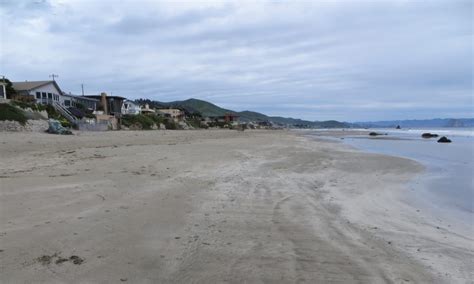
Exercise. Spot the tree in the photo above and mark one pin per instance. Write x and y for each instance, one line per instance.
(9, 88)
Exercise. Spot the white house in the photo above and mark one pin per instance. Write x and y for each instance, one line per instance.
(129, 107)
(48, 92)
(45, 92)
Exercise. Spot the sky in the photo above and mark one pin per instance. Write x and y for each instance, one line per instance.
(315, 60)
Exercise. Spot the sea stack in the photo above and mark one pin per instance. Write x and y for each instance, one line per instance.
(429, 135)
(444, 140)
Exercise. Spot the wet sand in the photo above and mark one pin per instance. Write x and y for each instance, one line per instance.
(212, 207)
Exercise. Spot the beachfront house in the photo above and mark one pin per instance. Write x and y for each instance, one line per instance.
(129, 107)
(43, 92)
(48, 92)
(71, 100)
(174, 113)
(109, 105)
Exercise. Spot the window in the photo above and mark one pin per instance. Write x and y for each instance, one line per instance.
(38, 95)
(44, 95)
(50, 96)
(67, 103)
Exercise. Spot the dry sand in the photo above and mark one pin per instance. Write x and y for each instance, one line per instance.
(213, 207)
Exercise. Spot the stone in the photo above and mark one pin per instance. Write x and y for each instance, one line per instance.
(429, 135)
(444, 139)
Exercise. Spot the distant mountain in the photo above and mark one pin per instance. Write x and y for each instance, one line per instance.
(207, 109)
(437, 122)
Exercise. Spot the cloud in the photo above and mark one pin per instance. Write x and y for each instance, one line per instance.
(347, 60)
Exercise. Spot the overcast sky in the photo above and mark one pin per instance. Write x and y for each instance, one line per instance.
(317, 60)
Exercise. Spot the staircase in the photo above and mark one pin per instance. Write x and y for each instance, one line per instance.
(65, 112)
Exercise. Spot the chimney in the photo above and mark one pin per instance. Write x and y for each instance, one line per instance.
(103, 102)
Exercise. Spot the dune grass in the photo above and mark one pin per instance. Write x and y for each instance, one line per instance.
(9, 112)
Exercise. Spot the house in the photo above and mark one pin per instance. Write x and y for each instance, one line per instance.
(71, 100)
(226, 118)
(129, 107)
(147, 109)
(48, 92)
(43, 92)
(175, 114)
(111, 105)
(230, 117)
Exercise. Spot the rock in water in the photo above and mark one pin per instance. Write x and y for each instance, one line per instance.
(399, 127)
(376, 134)
(429, 135)
(444, 140)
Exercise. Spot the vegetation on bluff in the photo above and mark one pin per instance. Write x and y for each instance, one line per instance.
(9, 112)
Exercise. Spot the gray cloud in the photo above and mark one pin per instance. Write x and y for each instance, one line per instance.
(346, 60)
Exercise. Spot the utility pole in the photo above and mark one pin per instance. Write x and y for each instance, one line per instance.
(82, 87)
(53, 76)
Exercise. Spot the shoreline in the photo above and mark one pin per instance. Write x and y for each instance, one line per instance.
(444, 174)
(213, 206)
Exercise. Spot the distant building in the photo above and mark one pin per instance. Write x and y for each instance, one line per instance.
(129, 107)
(147, 109)
(175, 114)
(226, 118)
(230, 117)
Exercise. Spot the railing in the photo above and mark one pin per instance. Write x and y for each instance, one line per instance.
(65, 112)
(46, 101)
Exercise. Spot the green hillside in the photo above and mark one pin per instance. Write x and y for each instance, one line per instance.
(207, 109)
(252, 116)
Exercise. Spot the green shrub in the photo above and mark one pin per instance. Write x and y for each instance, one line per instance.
(156, 119)
(170, 124)
(22, 98)
(9, 112)
(25, 105)
(220, 124)
(81, 106)
(64, 122)
(145, 121)
(52, 113)
(196, 123)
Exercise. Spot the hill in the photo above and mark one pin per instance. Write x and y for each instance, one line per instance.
(207, 109)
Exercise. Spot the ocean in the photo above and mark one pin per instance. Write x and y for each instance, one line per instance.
(446, 187)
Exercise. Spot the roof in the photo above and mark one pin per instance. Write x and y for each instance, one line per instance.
(80, 97)
(30, 85)
(131, 102)
(108, 97)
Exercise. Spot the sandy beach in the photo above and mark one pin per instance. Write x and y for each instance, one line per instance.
(215, 206)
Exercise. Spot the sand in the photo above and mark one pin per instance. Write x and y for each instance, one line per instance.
(215, 206)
